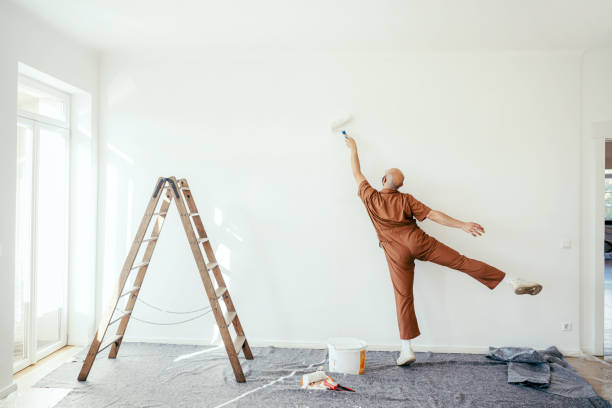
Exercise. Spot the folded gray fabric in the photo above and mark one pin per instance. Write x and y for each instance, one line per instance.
(553, 355)
(545, 370)
(533, 374)
(515, 354)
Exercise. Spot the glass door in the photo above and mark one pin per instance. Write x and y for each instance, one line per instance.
(41, 241)
(51, 238)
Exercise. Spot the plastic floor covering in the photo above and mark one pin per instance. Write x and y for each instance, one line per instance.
(163, 375)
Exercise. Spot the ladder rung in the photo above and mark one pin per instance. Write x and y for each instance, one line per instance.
(200, 240)
(131, 290)
(220, 291)
(211, 265)
(114, 340)
(150, 239)
(193, 214)
(140, 265)
(229, 318)
(238, 343)
(185, 188)
(160, 213)
(121, 316)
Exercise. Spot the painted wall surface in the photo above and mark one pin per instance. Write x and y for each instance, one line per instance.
(596, 127)
(25, 39)
(485, 137)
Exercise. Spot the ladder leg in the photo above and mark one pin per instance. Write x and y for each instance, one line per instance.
(125, 271)
(167, 200)
(236, 367)
(246, 349)
(186, 214)
(93, 351)
(187, 196)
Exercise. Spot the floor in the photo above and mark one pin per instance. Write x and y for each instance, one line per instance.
(597, 372)
(26, 395)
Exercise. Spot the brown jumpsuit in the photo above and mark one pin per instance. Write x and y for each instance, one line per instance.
(392, 214)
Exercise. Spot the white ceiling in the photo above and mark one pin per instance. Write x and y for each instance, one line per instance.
(235, 25)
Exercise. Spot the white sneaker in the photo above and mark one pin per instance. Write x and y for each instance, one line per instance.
(406, 358)
(523, 287)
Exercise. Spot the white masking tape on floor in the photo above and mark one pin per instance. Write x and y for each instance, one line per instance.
(268, 384)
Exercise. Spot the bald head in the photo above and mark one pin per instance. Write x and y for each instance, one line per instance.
(393, 179)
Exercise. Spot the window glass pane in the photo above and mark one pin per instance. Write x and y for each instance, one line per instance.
(38, 101)
(51, 235)
(23, 238)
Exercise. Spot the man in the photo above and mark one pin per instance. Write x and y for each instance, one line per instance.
(393, 215)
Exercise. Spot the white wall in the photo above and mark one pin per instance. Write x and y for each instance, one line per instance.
(25, 39)
(596, 127)
(489, 137)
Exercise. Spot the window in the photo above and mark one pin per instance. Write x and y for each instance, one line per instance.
(41, 250)
(40, 102)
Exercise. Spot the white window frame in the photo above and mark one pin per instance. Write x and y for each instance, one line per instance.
(64, 97)
(37, 122)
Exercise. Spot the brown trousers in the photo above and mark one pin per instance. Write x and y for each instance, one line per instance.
(416, 244)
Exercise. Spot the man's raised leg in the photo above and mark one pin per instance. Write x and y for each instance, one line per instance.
(484, 273)
(447, 256)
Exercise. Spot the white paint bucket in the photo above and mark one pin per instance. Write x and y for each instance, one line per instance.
(346, 355)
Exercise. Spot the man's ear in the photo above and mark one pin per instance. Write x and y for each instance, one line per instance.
(384, 180)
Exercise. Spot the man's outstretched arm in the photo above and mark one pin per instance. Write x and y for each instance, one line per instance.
(443, 219)
(350, 143)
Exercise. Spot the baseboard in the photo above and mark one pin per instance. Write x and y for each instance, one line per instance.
(375, 347)
(319, 345)
(587, 350)
(8, 390)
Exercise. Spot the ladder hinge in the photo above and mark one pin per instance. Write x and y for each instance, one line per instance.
(161, 183)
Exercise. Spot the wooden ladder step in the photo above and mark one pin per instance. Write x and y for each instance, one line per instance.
(211, 265)
(220, 291)
(121, 316)
(130, 290)
(110, 343)
(229, 318)
(140, 265)
(160, 213)
(238, 343)
(193, 214)
(150, 239)
(200, 240)
(185, 188)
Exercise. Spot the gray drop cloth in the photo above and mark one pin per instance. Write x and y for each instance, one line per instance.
(545, 370)
(163, 375)
(517, 354)
(535, 374)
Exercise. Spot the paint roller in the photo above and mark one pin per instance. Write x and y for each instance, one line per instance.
(308, 379)
(339, 124)
(324, 381)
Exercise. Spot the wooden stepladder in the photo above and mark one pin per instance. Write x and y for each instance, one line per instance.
(169, 189)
